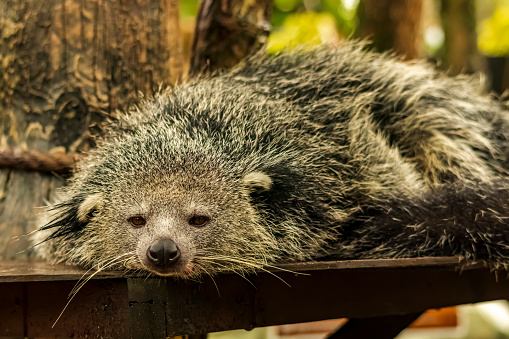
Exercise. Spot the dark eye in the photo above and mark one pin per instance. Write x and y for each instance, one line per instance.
(137, 221)
(198, 220)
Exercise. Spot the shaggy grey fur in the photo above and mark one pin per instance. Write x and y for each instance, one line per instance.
(325, 154)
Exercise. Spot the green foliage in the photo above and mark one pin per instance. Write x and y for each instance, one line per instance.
(493, 37)
(287, 5)
(306, 28)
(283, 8)
(189, 8)
(343, 12)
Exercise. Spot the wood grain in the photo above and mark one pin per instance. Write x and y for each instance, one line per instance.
(65, 67)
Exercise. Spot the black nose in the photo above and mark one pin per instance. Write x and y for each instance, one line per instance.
(163, 252)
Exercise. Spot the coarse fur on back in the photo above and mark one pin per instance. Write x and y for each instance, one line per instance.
(330, 153)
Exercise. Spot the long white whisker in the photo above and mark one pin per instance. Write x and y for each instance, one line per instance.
(227, 268)
(100, 267)
(211, 277)
(247, 263)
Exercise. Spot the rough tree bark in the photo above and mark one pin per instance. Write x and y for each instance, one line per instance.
(392, 25)
(65, 66)
(227, 31)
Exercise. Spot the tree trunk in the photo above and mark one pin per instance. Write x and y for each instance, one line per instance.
(392, 25)
(227, 31)
(65, 66)
(460, 53)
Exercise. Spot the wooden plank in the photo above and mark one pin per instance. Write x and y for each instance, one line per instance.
(147, 307)
(355, 293)
(442, 262)
(18, 271)
(12, 310)
(99, 310)
(159, 307)
(24, 271)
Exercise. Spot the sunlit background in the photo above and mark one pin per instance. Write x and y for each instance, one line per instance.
(297, 22)
(315, 21)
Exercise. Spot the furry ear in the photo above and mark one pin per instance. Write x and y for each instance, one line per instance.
(257, 182)
(88, 206)
(72, 215)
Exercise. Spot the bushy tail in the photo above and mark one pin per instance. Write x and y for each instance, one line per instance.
(472, 223)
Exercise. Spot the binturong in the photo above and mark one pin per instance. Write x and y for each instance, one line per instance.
(323, 154)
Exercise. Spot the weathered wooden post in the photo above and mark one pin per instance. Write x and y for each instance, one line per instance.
(66, 66)
(228, 31)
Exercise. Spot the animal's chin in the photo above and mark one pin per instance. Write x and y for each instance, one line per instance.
(181, 271)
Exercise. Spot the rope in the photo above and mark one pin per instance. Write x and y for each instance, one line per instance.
(61, 163)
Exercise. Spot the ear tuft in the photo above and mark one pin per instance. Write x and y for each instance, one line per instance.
(91, 203)
(257, 182)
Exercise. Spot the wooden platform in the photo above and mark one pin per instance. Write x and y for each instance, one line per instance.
(386, 293)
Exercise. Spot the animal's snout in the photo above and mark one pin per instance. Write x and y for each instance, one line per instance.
(163, 253)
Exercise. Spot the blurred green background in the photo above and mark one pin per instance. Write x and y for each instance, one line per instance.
(311, 21)
(457, 35)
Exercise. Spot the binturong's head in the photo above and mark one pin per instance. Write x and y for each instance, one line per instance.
(151, 201)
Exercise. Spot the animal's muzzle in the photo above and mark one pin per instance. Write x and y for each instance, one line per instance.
(163, 253)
